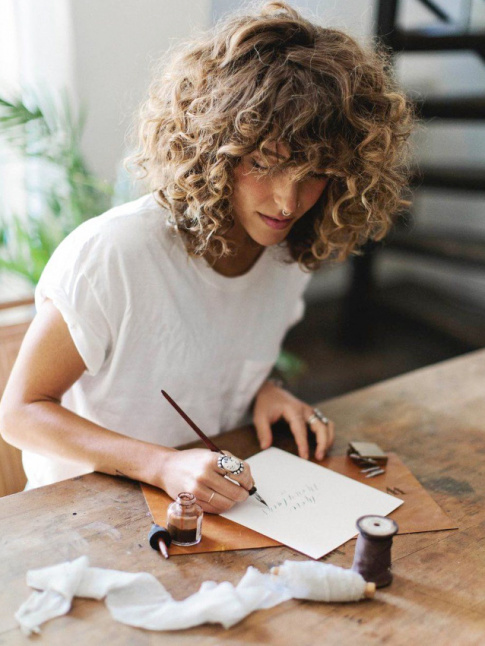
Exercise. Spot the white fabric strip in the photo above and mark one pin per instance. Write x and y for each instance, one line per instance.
(141, 600)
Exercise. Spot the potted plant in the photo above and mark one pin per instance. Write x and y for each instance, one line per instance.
(46, 135)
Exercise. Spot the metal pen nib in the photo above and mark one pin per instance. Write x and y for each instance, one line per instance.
(253, 492)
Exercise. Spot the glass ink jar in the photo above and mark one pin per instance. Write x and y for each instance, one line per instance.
(184, 520)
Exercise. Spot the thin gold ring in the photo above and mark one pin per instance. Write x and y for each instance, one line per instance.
(212, 496)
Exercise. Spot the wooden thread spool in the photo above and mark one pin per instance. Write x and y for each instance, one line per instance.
(372, 558)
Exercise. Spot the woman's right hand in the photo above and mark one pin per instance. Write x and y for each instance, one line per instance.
(196, 471)
(32, 418)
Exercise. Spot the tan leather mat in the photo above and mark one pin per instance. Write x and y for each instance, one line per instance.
(419, 513)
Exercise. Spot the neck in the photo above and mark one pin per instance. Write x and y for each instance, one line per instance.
(239, 262)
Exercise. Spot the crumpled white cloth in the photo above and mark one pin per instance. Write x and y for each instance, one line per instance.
(141, 600)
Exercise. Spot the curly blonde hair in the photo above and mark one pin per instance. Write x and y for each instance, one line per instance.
(274, 77)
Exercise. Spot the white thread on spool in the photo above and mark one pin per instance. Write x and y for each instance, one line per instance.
(322, 582)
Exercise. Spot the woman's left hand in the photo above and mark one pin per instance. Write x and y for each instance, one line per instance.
(273, 403)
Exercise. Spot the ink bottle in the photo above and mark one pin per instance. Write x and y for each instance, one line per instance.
(184, 520)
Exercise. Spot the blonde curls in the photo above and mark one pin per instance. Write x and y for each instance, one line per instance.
(276, 77)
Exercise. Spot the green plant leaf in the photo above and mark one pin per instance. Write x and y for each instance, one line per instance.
(47, 128)
(290, 366)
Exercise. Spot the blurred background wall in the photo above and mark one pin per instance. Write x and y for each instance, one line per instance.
(103, 52)
(416, 299)
(115, 45)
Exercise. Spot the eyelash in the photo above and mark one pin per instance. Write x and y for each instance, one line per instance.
(257, 166)
(318, 175)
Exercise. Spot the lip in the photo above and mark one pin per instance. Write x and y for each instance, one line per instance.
(275, 223)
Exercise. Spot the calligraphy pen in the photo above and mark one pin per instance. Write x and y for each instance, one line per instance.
(209, 443)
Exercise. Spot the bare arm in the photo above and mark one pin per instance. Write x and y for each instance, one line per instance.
(32, 418)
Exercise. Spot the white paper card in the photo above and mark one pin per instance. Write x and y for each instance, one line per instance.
(311, 509)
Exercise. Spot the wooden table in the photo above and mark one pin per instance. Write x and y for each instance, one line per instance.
(433, 418)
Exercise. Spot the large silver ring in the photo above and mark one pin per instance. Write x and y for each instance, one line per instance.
(230, 464)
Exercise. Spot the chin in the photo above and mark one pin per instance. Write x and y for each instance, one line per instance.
(266, 237)
(268, 240)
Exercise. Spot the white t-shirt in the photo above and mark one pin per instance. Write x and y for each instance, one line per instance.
(146, 316)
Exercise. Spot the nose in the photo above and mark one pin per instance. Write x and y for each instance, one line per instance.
(285, 193)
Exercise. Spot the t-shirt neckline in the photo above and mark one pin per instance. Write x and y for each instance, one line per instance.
(229, 283)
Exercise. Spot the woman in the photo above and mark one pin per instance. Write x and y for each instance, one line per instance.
(269, 146)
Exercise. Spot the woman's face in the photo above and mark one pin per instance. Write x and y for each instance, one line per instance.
(259, 200)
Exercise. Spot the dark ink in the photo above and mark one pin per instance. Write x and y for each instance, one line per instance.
(184, 520)
(295, 500)
(182, 536)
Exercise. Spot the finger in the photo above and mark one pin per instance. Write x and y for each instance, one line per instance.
(322, 437)
(213, 502)
(331, 432)
(231, 489)
(228, 487)
(244, 478)
(263, 431)
(299, 429)
(318, 424)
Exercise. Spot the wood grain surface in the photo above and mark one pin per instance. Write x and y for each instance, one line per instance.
(434, 419)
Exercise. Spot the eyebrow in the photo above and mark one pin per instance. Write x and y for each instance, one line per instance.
(272, 153)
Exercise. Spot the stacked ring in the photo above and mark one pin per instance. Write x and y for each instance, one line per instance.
(317, 415)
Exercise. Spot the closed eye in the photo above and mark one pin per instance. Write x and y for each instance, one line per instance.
(318, 175)
(257, 166)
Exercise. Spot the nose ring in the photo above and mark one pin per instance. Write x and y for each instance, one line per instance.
(285, 214)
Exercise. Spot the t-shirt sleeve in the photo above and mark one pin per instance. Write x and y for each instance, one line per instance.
(302, 280)
(298, 312)
(70, 281)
